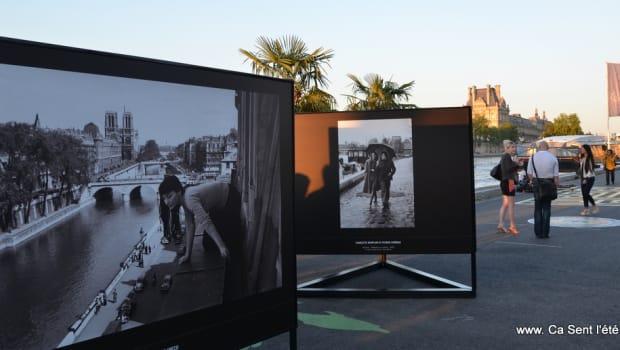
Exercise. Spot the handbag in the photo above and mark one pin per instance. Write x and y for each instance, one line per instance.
(496, 172)
(544, 189)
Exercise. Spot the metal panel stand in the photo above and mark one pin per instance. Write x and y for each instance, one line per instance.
(441, 287)
(292, 339)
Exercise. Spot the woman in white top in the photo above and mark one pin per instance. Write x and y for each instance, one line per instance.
(586, 172)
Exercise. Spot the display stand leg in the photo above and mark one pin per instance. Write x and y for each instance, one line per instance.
(293, 339)
(440, 287)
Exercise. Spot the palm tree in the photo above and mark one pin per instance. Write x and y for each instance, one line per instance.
(316, 100)
(379, 94)
(288, 58)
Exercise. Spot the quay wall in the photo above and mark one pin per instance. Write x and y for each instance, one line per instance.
(32, 229)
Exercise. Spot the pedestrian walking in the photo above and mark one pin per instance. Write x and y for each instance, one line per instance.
(543, 166)
(510, 166)
(610, 166)
(101, 299)
(385, 171)
(587, 175)
(370, 184)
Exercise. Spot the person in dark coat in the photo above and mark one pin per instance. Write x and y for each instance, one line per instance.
(385, 171)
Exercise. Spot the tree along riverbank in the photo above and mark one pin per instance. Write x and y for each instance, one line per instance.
(27, 231)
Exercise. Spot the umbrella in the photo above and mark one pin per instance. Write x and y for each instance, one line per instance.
(378, 148)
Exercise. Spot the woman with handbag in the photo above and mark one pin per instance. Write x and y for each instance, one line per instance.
(542, 169)
(586, 172)
(508, 187)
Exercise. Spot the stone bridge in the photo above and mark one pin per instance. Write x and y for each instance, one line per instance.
(128, 189)
(129, 181)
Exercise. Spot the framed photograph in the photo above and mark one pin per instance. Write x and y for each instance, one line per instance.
(398, 182)
(377, 168)
(143, 203)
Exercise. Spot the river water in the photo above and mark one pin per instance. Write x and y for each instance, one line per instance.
(482, 168)
(49, 280)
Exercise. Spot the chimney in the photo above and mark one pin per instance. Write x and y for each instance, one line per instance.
(498, 92)
(488, 94)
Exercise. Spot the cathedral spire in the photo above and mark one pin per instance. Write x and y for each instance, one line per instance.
(37, 122)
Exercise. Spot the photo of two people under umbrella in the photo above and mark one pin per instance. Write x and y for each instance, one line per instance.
(376, 173)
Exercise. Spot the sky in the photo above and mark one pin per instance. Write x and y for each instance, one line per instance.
(165, 112)
(362, 131)
(548, 56)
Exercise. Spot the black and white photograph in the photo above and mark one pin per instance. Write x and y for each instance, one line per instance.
(375, 173)
(126, 201)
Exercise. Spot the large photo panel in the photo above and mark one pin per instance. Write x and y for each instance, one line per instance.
(397, 181)
(148, 201)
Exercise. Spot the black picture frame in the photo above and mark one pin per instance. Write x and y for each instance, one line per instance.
(265, 116)
(443, 185)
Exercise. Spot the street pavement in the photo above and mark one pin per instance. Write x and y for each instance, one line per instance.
(357, 211)
(564, 288)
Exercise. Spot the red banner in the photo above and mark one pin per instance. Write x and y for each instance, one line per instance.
(613, 89)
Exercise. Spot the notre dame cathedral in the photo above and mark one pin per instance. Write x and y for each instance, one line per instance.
(126, 136)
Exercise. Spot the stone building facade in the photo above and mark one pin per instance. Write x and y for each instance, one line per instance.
(529, 129)
(489, 103)
(105, 152)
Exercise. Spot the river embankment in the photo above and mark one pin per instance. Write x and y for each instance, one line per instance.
(30, 230)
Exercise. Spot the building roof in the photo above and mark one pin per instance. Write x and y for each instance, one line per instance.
(481, 94)
(574, 140)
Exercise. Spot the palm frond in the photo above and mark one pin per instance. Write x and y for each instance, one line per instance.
(288, 57)
(378, 93)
